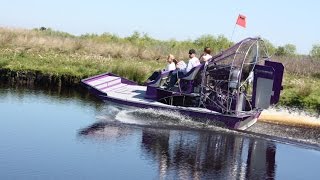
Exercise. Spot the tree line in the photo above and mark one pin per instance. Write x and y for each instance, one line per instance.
(216, 43)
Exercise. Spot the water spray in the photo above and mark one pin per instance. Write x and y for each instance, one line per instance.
(290, 117)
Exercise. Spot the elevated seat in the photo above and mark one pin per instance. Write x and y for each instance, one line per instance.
(160, 79)
(189, 76)
(187, 81)
(151, 92)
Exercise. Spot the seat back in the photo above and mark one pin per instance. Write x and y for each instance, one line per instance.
(234, 78)
(159, 80)
(192, 73)
(188, 82)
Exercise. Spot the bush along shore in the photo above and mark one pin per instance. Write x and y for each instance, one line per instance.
(53, 58)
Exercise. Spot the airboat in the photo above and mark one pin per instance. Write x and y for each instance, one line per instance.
(230, 90)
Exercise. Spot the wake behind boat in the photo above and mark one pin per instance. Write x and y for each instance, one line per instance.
(230, 90)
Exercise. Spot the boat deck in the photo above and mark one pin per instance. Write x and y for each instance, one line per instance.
(117, 88)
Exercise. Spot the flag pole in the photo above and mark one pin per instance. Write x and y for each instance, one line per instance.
(235, 24)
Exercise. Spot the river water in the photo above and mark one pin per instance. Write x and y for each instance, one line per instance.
(47, 134)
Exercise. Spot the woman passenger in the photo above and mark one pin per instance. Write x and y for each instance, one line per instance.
(171, 65)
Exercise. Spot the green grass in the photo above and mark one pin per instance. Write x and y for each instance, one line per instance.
(301, 92)
(77, 65)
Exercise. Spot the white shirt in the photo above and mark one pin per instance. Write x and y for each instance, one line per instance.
(181, 65)
(206, 57)
(193, 62)
(171, 66)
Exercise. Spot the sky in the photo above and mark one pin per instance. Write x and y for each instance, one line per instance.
(280, 22)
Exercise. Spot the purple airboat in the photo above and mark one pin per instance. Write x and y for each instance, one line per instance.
(230, 90)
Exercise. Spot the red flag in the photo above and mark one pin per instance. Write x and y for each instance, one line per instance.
(241, 21)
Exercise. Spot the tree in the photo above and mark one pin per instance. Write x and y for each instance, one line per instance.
(280, 51)
(286, 50)
(216, 44)
(205, 40)
(134, 37)
(315, 51)
(290, 49)
(270, 47)
(223, 42)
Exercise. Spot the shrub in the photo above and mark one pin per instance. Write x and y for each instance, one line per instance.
(315, 51)
(286, 50)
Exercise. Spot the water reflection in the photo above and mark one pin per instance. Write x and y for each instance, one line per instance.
(102, 131)
(196, 154)
(205, 155)
(56, 94)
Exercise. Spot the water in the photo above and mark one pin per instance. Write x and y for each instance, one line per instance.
(46, 134)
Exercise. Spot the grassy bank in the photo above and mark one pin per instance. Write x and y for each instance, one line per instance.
(135, 57)
(75, 65)
(301, 92)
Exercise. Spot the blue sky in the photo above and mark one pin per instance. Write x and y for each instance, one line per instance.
(281, 22)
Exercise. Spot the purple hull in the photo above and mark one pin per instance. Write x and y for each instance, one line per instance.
(120, 90)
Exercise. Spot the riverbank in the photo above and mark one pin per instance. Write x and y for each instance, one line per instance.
(68, 69)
